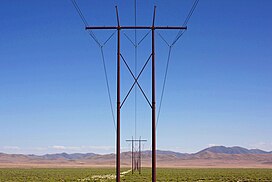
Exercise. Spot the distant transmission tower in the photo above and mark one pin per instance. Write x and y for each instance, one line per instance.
(136, 155)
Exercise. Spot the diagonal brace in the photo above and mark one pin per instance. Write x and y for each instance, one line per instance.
(136, 81)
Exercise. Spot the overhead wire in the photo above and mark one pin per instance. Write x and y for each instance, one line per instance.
(165, 41)
(135, 45)
(135, 71)
(129, 39)
(79, 12)
(109, 38)
(164, 83)
(143, 37)
(85, 21)
(191, 12)
(108, 87)
(101, 46)
(178, 36)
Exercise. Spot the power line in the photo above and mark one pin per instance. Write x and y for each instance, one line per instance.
(135, 71)
(164, 83)
(129, 39)
(108, 38)
(166, 42)
(102, 55)
(79, 12)
(191, 12)
(178, 37)
(108, 87)
(85, 21)
(143, 37)
(180, 33)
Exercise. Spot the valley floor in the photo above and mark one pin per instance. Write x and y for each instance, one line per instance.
(178, 163)
(107, 174)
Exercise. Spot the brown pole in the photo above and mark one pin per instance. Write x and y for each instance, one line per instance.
(140, 156)
(132, 155)
(118, 111)
(153, 103)
(118, 102)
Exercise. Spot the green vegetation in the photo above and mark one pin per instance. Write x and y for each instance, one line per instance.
(51, 175)
(86, 174)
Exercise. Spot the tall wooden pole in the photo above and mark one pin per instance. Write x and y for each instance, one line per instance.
(118, 102)
(132, 155)
(153, 102)
(140, 162)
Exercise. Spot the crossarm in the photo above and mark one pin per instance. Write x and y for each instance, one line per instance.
(136, 27)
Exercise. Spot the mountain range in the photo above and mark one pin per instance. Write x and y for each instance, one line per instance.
(216, 156)
(233, 150)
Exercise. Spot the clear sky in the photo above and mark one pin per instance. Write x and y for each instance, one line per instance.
(53, 95)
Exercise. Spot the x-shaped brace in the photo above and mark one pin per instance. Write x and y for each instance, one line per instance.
(136, 81)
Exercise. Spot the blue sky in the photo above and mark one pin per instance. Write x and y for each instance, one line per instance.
(53, 94)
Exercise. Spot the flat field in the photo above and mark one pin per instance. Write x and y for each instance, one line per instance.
(163, 174)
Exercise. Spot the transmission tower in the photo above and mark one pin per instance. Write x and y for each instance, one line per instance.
(152, 104)
(136, 154)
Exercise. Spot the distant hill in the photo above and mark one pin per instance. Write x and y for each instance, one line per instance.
(232, 150)
(166, 152)
(217, 156)
(74, 156)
